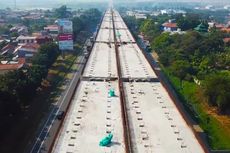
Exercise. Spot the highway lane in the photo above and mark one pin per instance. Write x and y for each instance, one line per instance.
(61, 105)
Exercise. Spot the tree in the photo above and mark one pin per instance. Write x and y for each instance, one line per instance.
(88, 20)
(181, 68)
(147, 25)
(8, 103)
(190, 21)
(51, 51)
(25, 88)
(40, 59)
(77, 26)
(207, 64)
(212, 43)
(164, 59)
(149, 28)
(162, 41)
(216, 89)
(62, 12)
(133, 24)
(4, 30)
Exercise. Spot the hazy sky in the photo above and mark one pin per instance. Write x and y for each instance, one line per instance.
(57, 3)
(40, 1)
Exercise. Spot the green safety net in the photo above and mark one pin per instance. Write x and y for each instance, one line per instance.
(111, 93)
(118, 34)
(106, 141)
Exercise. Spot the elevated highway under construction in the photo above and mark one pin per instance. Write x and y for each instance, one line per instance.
(120, 94)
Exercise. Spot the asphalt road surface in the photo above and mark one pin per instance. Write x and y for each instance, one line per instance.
(48, 130)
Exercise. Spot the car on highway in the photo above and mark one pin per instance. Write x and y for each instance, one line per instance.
(60, 115)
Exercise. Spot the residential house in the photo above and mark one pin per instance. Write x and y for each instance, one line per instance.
(219, 26)
(42, 39)
(21, 30)
(27, 51)
(52, 30)
(226, 30)
(11, 66)
(26, 39)
(39, 39)
(169, 26)
(8, 49)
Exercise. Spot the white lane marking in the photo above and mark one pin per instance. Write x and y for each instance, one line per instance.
(75, 75)
(38, 139)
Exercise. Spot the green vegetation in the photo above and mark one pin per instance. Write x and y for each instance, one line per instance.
(17, 88)
(216, 88)
(88, 20)
(4, 30)
(190, 21)
(192, 55)
(149, 28)
(62, 12)
(192, 96)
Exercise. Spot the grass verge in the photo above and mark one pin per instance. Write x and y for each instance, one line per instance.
(216, 126)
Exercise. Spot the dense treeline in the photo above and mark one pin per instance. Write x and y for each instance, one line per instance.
(88, 20)
(193, 55)
(17, 88)
(201, 56)
(190, 21)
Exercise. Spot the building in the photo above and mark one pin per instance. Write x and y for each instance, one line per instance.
(32, 17)
(140, 16)
(226, 40)
(27, 51)
(9, 66)
(8, 49)
(42, 39)
(219, 26)
(225, 30)
(137, 15)
(169, 27)
(21, 30)
(209, 7)
(226, 7)
(52, 30)
(36, 39)
(164, 12)
(211, 25)
(26, 39)
(130, 13)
